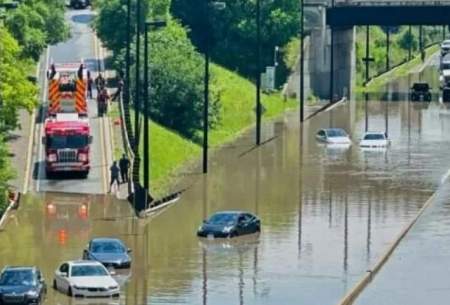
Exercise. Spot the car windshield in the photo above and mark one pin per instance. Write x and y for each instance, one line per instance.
(17, 278)
(223, 219)
(374, 136)
(335, 133)
(420, 87)
(107, 247)
(88, 270)
(72, 141)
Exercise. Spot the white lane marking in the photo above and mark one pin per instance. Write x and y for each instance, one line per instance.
(40, 147)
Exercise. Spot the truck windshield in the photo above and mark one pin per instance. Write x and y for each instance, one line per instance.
(71, 141)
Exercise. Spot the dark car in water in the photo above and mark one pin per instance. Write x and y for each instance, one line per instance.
(229, 224)
(420, 92)
(22, 285)
(79, 3)
(111, 252)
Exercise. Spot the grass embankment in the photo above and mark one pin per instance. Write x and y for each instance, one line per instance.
(170, 152)
(377, 84)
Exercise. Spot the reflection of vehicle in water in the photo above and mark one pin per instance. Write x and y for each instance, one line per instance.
(229, 246)
(66, 217)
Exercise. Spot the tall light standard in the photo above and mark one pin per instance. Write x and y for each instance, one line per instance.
(258, 72)
(148, 25)
(138, 77)
(302, 61)
(216, 6)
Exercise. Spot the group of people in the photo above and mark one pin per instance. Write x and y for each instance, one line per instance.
(122, 169)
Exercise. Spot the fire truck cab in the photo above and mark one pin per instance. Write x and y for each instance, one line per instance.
(67, 89)
(67, 144)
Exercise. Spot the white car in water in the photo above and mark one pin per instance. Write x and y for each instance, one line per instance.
(333, 136)
(374, 140)
(85, 279)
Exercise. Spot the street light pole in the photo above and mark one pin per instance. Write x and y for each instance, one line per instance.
(302, 61)
(206, 90)
(138, 76)
(128, 55)
(146, 108)
(258, 72)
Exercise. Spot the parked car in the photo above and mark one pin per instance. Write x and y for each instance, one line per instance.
(333, 136)
(229, 224)
(79, 4)
(85, 279)
(445, 47)
(374, 139)
(22, 285)
(420, 92)
(111, 252)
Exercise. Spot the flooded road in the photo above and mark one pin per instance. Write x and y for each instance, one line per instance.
(328, 213)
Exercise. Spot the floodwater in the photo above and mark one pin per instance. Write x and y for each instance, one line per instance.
(327, 214)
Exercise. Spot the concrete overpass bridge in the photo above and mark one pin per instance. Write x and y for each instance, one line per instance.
(330, 63)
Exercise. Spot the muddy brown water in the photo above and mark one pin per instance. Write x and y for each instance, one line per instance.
(327, 214)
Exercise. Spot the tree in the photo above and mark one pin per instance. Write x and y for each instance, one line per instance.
(234, 29)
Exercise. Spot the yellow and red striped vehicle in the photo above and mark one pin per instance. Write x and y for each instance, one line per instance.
(67, 89)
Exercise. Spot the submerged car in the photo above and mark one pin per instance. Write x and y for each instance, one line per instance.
(333, 136)
(374, 139)
(85, 279)
(79, 4)
(111, 252)
(229, 224)
(22, 285)
(420, 92)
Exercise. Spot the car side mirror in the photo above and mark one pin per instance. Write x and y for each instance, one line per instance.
(42, 280)
(204, 220)
(64, 274)
(90, 139)
(112, 271)
(129, 250)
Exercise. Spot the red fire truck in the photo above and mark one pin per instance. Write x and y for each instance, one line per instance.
(67, 140)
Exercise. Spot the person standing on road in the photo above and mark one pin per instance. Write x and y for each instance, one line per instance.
(124, 165)
(90, 82)
(100, 82)
(114, 170)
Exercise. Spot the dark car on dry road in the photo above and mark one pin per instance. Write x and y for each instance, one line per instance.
(22, 285)
(111, 252)
(229, 224)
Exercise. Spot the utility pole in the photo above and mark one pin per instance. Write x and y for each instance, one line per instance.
(331, 61)
(128, 55)
(367, 52)
(147, 87)
(258, 72)
(302, 61)
(138, 76)
(206, 90)
(410, 43)
(388, 41)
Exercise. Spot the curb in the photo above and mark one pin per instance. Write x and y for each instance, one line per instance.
(351, 296)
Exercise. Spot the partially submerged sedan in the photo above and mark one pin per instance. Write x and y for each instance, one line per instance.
(85, 279)
(229, 224)
(111, 252)
(22, 285)
(333, 136)
(374, 140)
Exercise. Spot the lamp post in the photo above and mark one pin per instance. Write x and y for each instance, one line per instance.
(138, 77)
(302, 61)
(258, 72)
(155, 24)
(217, 6)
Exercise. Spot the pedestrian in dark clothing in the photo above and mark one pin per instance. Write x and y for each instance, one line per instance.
(124, 165)
(119, 90)
(100, 82)
(114, 169)
(90, 82)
